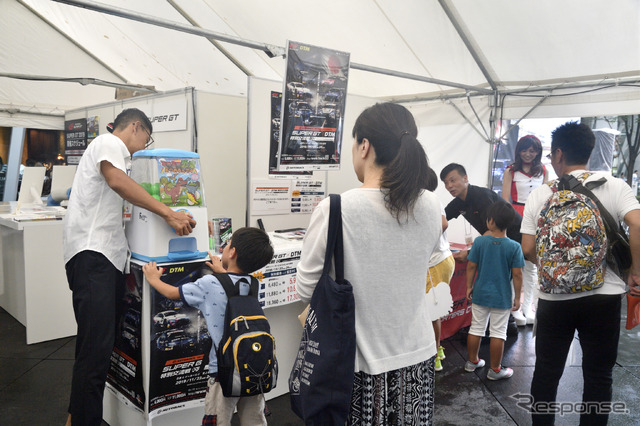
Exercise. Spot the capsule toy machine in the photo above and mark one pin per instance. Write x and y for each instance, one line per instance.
(174, 178)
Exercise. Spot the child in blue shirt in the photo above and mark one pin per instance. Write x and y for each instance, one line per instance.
(497, 259)
(248, 250)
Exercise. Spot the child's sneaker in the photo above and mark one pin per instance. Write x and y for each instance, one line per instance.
(504, 373)
(441, 352)
(438, 364)
(470, 367)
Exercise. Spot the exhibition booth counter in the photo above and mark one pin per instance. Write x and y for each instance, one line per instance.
(34, 287)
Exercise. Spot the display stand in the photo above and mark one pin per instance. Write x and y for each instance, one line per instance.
(460, 316)
(157, 375)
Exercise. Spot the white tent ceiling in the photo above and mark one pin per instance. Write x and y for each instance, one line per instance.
(505, 44)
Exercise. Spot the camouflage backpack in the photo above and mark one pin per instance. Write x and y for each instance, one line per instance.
(571, 241)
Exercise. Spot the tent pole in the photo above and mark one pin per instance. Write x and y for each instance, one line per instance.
(524, 116)
(466, 119)
(449, 11)
(78, 45)
(269, 50)
(217, 45)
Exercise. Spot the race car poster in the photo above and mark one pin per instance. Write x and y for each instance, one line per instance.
(313, 105)
(180, 344)
(276, 107)
(125, 371)
(75, 139)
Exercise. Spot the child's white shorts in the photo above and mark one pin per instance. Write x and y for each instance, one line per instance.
(480, 316)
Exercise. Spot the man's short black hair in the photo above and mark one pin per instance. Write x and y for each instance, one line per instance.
(451, 167)
(502, 214)
(131, 115)
(253, 249)
(576, 141)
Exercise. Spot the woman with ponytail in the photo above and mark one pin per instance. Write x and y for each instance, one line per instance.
(391, 225)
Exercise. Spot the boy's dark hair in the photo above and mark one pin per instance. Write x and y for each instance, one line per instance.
(451, 167)
(502, 214)
(576, 142)
(131, 115)
(253, 248)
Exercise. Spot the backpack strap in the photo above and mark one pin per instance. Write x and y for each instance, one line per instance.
(253, 287)
(233, 290)
(227, 284)
(610, 224)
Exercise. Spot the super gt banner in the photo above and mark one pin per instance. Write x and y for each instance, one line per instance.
(125, 372)
(313, 108)
(180, 345)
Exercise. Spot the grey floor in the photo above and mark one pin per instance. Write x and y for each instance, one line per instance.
(35, 382)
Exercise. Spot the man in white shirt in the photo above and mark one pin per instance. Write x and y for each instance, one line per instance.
(95, 252)
(595, 314)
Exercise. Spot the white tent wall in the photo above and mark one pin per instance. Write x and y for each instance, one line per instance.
(222, 145)
(29, 46)
(449, 138)
(563, 103)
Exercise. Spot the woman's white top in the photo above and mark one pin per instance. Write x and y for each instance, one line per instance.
(94, 215)
(386, 262)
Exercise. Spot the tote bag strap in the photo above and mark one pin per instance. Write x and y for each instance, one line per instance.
(334, 239)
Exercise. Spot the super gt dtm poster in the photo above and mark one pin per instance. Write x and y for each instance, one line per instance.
(312, 114)
(180, 344)
(125, 371)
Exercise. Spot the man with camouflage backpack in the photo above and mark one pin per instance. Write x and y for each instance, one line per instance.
(563, 233)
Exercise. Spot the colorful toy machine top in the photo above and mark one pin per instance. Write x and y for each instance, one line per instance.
(172, 177)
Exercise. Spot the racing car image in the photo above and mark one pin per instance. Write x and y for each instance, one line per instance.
(298, 90)
(301, 110)
(168, 319)
(172, 339)
(131, 327)
(329, 110)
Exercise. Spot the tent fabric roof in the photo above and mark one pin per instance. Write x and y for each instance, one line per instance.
(519, 45)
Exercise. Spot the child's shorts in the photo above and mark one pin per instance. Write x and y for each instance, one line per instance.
(480, 316)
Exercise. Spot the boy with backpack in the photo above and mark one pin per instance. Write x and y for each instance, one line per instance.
(497, 259)
(229, 296)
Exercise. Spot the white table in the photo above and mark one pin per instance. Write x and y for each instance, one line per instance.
(33, 286)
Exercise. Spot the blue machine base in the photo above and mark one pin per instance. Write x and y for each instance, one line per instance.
(176, 257)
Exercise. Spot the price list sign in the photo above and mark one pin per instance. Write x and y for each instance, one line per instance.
(278, 278)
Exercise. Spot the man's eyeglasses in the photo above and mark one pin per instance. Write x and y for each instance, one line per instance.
(549, 155)
(150, 141)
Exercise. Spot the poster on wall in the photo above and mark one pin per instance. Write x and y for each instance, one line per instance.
(180, 345)
(93, 124)
(306, 194)
(276, 108)
(270, 197)
(313, 105)
(278, 278)
(124, 378)
(75, 139)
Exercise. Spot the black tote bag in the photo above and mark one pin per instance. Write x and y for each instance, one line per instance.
(321, 380)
